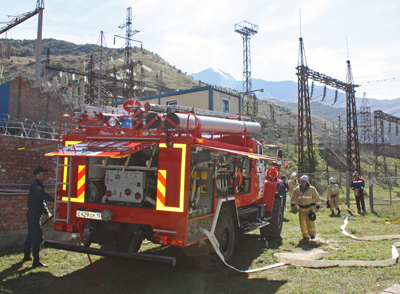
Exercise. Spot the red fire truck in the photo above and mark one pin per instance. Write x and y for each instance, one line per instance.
(165, 174)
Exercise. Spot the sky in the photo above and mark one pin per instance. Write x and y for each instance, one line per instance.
(195, 35)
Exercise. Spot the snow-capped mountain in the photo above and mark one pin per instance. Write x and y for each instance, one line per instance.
(287, 91)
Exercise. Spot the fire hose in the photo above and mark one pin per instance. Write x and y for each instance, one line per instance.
(314, 259)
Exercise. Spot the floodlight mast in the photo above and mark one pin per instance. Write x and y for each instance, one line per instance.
(247, 30)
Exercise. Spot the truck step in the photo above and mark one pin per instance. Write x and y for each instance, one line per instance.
(248, 227)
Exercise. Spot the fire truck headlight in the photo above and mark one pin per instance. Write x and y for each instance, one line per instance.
(107, 215)
(112, 121)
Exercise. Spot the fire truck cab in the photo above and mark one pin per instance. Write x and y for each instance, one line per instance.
(165, 174)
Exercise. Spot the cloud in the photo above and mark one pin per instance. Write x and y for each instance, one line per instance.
(195, 35)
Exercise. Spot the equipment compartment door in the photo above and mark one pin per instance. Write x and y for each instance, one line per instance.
(171, 177)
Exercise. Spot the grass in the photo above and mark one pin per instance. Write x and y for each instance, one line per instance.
(71, 272)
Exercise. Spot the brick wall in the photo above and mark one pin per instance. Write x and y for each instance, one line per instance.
(16, 167)
(27, 101)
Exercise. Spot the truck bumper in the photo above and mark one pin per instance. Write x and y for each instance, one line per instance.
(95, 251)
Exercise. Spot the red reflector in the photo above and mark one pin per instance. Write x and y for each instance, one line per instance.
(71, 228)
(108, 193)
(138, 195)
(168, 241)
(127, 192)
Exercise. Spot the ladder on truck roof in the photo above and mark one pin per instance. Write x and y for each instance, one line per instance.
(92, 111)
(199, 111)
(68, 165)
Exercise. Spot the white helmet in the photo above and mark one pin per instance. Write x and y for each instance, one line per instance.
(293, 175)
(332, 180)
(305, 178)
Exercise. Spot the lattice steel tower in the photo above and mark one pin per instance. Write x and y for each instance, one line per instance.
(249, 103)
(304, 114)
(365, 120)
(353, 151)
(129, 65)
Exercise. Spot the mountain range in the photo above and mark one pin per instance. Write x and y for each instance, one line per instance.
(286, 91)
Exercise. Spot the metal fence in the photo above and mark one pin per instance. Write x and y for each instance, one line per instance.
(12, 126)
(383, 188)
(321, 182)
(380, 188)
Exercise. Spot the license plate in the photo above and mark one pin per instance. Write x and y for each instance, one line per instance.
(88, 214)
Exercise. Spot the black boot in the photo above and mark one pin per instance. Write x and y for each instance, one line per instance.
(38, 263)
(338, 211)
(27, 256)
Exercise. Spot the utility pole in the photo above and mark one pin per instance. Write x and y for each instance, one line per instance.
(40, 8)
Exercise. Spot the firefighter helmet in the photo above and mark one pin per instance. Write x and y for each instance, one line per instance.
(305, 178)
(332, 180)
(293, 175)
(312, 216)
(355, 173)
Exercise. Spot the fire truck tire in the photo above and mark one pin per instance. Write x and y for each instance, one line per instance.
(274, 229)
(226, 235)
(94, 192)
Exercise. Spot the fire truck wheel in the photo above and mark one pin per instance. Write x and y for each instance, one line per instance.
(274, 229)
(226, 236)
(94, 191)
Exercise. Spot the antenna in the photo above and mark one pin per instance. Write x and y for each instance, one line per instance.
(300, 22)
(347, 46)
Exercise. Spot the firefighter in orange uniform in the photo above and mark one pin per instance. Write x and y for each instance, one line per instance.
(333, 196)
(307, 198)
(293, 183)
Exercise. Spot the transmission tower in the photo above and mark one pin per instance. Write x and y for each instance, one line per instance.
(353, 151)
(379, 137)
(102, 42)
(128, 40)
(365, 120)
(20, 19)
(249, 103)
(304, 132)
(304, 114)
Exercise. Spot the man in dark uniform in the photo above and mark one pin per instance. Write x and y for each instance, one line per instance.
(37, 198)
(358, 186)
(282, 189)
